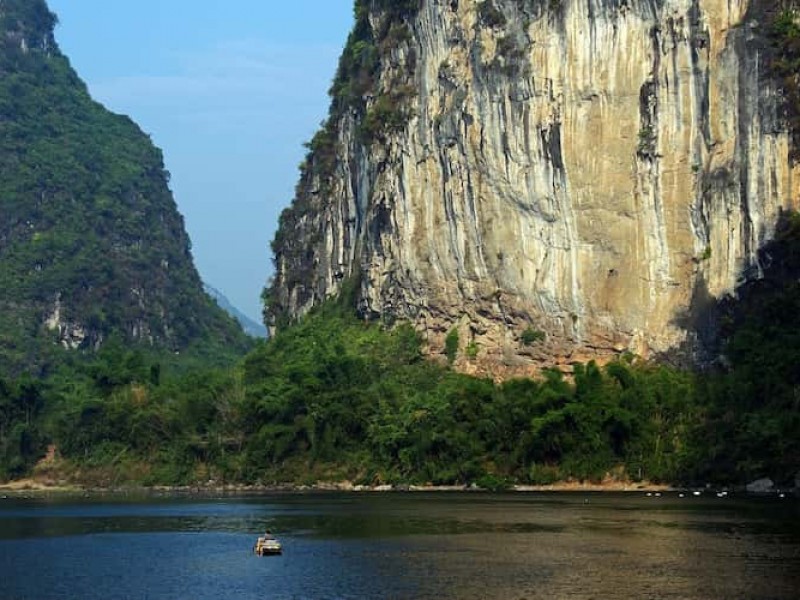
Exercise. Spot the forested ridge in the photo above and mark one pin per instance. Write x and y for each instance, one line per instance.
(93, 252)
(91, 242)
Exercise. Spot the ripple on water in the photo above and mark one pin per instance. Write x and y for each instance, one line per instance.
(450, 546)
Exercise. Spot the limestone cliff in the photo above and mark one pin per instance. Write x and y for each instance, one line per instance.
(593, 170)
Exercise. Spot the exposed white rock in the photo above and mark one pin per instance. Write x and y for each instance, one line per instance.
(594, 169)
(761, 486)
(70, 335)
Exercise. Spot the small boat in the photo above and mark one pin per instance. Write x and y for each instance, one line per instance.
(266, 546)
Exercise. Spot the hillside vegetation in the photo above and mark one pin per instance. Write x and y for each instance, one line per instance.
(335, 398)
(90, 237)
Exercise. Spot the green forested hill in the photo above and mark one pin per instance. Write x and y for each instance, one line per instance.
(91, 242)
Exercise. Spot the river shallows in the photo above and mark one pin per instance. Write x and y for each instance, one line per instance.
(402, 546)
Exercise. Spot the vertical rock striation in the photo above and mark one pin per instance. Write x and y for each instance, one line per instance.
(592, 169)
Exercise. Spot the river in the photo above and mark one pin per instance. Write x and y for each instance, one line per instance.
(401, 546)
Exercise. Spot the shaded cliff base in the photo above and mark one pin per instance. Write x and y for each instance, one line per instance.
(765, 297)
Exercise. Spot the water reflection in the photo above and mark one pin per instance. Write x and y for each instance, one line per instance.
(402, 546)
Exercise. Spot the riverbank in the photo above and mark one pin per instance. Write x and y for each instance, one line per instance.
(35, 485)
(50, 486)
(39, 486)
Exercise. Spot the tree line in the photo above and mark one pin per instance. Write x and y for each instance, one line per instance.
(334, 397)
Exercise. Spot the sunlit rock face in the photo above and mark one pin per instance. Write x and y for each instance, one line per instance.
(595, 170)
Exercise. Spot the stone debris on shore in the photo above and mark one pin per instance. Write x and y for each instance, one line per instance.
(762, 487)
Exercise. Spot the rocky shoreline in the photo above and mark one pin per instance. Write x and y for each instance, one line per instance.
(48, 487)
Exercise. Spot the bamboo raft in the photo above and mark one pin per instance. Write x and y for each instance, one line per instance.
(267, 546)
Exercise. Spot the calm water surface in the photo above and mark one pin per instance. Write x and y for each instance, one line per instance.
(403, 546)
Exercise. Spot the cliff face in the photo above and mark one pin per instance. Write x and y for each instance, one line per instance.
(594, 170)
(91, 242)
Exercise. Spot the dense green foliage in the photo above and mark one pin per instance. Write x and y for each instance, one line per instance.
(89, 226)
(334, 397)
(531, 336)
(335, 390)
(451, 343)
(120, 414)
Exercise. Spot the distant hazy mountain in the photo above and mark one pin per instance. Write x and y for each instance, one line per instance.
(250, 326)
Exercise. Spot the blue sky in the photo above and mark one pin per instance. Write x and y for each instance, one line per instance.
(229, 91)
